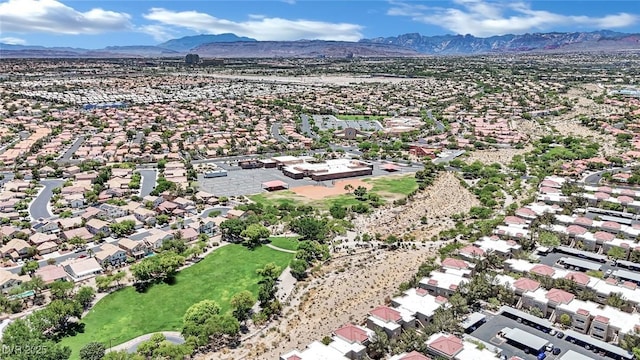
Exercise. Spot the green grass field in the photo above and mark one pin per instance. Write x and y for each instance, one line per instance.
(402, 185)
(360, 117)
(127, 314)
(288, 243)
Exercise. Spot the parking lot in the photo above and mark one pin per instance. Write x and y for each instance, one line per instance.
(245, 182)
(330, 122)
(494, 323)
(552, 258)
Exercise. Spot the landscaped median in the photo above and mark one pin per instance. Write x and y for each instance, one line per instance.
(126, 314)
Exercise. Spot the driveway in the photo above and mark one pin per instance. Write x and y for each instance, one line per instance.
(148, 181)
(38, 208)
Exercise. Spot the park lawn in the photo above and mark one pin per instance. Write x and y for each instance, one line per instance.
(402, 185)
(285, 242)
(360, 117)
(127, 314)
(346, 200)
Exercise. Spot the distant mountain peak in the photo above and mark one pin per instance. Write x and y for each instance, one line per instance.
(602, 40)
(187, 43)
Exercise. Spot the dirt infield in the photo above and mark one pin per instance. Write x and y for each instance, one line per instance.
(316, 192)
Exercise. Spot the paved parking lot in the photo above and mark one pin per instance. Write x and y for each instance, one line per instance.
(552, 258)
(325, 122)
(249, 181)
(494, 323)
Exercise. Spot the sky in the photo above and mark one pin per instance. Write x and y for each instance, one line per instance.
(96, 24)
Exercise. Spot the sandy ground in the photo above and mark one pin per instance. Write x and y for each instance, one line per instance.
(320, 192)
(345, 290)
(500, 156)
(441, 200)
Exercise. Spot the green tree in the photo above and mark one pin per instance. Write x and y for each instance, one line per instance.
(310, 228)
(360, 192)
(85, 296)
(565, 319)
(617, 253)
(379, 346)
(298, 268)
(338, 211)
(201, 311)
(61, 289)
(254, 234)
(242, 303)
(549, 239)
(92, 351)
(30, 267)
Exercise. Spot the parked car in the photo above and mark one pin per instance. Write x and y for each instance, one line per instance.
(556, 351)
(552, 332)
(560, 335)
(549, 347)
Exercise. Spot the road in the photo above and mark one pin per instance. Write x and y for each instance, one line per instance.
(439, 125)
(60, 258)
(148, 181)
(306, 127)
(275, 132)
(38, 208)
(69, 153)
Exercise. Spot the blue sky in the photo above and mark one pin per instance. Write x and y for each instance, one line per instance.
(96, 24)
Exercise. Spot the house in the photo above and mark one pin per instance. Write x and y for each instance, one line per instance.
(145, 215)
(92, 212)
(46, 248)
(113, 211)
(7, 231)
(75, 201)
(82, 268)
(82, 233)
(352, 341)
(110, 255)
(154, 200)
(39, 238)
(51, 273)
(235, 214)
(9, 280)
(156, 237)
(444, 345)
(184, 204)
(135, 249)
(315, 351)
(69, 223)
(46, 226)
(98, 226)
(419, 304)
(189, 234)
(15, 249)
(442, 284)
(388, 320)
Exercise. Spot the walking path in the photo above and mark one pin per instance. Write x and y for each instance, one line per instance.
(132, 345)
(281, 249)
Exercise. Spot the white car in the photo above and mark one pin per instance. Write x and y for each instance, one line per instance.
(553, 332)
(549, 347)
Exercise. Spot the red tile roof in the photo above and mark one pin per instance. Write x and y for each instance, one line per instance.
(603, 236)
(601, 195)
(455, 263)
(447, 344)
(414, 355)
(560, 296)
(352, 333)
(611, 225)
(294, 357)
(526, 284)
(583, 312)
(601, 319)
(472, 250)
(583, 221)
(386, 313)
(576, 230)
(514, 220)
(542, 269)
(578, 277)
(625, 199)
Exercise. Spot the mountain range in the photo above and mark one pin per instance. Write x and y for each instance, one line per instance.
(407, 45)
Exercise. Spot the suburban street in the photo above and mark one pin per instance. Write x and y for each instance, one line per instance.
(72, 149)
(306, 127)
(38, 208)
(148, 181)
(275, 132)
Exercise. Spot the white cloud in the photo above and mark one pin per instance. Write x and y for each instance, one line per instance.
(290, 2)
(486, 18)
(51, 16)
(13, 41)
(257, 27)
(158, 32)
